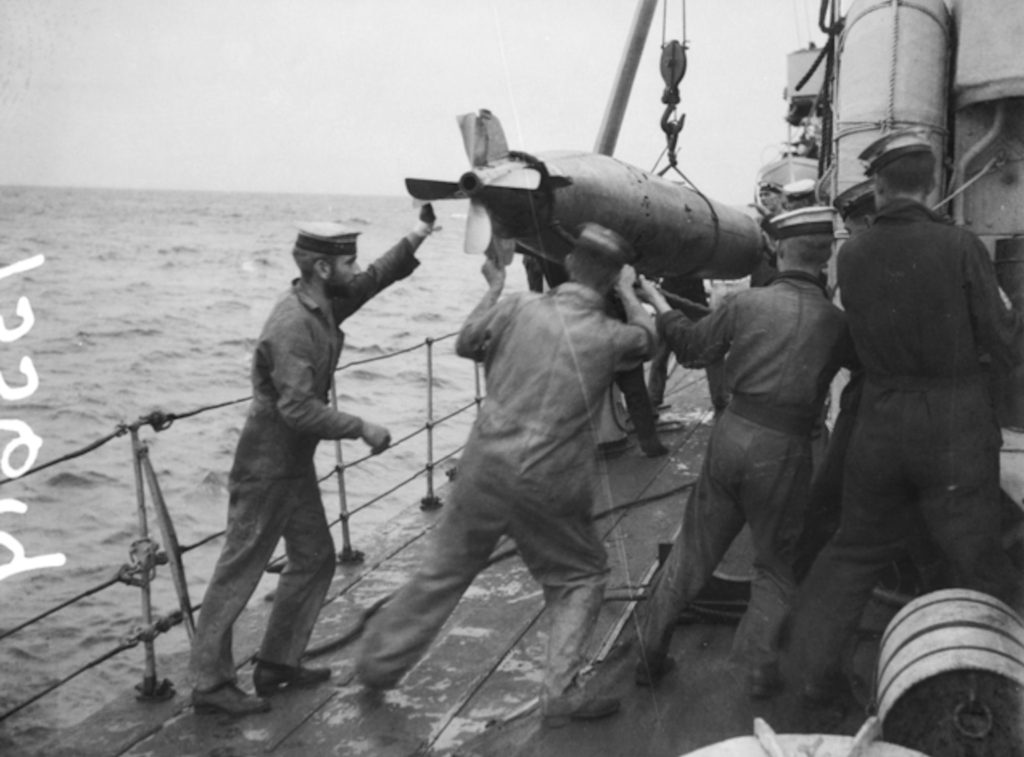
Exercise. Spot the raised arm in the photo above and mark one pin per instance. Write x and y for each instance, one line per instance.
(475, 333)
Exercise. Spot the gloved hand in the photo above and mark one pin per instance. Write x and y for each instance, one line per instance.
(426, 220)
(377, 437)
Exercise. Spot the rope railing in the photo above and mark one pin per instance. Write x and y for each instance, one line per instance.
(145, 555)
(121, 431)
(396, 353)
(161, 421)
(397, 443)
(56, 608)
(138, 635)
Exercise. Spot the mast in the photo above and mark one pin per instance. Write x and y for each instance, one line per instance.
(616, 109)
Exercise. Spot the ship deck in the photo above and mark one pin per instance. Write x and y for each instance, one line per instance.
(475, 691)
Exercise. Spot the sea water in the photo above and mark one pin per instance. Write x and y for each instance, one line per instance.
(152, 300)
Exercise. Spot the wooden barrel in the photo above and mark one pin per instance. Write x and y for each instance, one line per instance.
(950, 677)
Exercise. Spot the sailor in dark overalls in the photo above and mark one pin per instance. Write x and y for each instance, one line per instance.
(926, 318)
(273, 486)
(782, 344)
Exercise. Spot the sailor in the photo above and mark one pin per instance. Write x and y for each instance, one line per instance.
(770, 199)
(927, 320)
(782, 345)
(529, 468)
(273, 484)
(641, 409)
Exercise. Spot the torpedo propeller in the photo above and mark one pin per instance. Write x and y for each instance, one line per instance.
(491, 166)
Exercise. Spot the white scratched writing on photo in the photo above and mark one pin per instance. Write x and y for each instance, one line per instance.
(24, 437)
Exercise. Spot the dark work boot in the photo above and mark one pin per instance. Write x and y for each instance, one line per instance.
(227, 699)
(651, 669)
(268, 677)
(653, 447)
(575, 704)
(765, 681)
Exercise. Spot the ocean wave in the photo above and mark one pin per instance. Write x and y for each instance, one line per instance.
(216, 481)
(166, 313)
(123, 332)
(179, 249)
(69, 480)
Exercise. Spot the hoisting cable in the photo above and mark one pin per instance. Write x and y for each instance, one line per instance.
(836, 26)
(673, 68)
(832, 30)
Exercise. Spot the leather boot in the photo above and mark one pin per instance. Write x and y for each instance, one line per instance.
(576, 704)
(268, 677)
(650, 669)
(227, 699)
(765, 681)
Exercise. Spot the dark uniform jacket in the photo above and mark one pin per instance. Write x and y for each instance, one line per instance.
(922, 299)
(783, 343)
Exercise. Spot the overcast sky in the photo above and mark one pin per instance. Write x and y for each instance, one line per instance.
(351, 96)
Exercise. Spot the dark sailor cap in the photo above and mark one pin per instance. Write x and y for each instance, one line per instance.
(817, 219)
(326, 238)
(891, 146)
(604, 244)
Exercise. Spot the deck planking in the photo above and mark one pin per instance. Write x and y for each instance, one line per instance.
(485, 665)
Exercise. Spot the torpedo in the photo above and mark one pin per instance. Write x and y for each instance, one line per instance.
(533, 204)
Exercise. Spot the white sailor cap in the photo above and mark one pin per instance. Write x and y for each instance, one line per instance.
(817, 219)
(799, 188)
(326, 238)
(892, 146)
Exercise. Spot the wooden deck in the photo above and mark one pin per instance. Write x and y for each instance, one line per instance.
(474, 693)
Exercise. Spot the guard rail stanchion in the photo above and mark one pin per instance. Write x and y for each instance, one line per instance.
(347, 555)
(172, 549)
(143, 557)
(431, 501)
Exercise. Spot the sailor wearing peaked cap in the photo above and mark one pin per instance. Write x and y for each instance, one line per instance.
(603, 245)
(892, 146)
(326, 238)
(818, 219)
(781, 344)
(929, 327)
(273, 485)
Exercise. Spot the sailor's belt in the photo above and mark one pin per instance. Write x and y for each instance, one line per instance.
(788, 419)
(924, 383)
